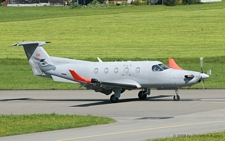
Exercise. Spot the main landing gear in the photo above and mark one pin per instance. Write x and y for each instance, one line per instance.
(115, 97)
(143, 94)
(117, 92)
(176, 97)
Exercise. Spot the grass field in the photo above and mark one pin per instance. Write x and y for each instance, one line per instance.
(21, 124)
(117, 33)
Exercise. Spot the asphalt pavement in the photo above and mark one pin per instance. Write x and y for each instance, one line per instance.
(197, 112)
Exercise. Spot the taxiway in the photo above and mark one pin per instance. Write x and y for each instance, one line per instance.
(158, 116)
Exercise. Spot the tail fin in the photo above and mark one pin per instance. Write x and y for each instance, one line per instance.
(38, 58)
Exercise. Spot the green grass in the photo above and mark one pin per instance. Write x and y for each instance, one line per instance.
(220, 136)
(117, 33)
(21, 124)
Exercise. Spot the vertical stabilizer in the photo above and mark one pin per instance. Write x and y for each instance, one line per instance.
(38, 58)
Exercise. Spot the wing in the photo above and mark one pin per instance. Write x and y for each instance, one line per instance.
(173, 64)
(122, 83)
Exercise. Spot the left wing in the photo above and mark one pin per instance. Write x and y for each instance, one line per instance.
(123, 83)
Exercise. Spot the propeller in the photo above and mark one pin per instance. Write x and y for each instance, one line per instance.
(203, 75)
(201, 64)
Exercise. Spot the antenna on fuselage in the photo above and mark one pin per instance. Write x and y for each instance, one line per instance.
(99, 60)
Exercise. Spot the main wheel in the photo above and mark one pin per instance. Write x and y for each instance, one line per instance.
(176, 97)
(142, 95)
(114, 99)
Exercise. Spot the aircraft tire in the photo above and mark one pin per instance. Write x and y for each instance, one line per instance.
(142, 95)
(114, 99)
(176, 98)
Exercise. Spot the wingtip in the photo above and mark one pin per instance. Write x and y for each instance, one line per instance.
(173, 64)
(79, 78)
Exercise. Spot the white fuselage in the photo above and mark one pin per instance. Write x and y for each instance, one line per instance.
(140, 71)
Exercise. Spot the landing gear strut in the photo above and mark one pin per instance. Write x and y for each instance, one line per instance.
(176, 97)
(143, 94)
(115, 97)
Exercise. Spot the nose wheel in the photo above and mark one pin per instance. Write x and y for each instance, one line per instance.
(176, 97)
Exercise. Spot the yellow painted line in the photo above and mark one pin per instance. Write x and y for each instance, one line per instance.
(140, 130)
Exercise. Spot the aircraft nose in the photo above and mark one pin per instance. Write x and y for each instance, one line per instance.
(204, 76)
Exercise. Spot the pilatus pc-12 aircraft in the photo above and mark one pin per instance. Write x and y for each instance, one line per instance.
(112, 77)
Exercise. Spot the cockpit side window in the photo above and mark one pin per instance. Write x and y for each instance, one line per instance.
(159, 67)
(163, 66)
(156, 68)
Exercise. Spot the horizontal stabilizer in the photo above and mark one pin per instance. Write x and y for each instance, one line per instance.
(173, 64)
(38, 43)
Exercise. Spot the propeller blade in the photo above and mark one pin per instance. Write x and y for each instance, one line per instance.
(209, 72)
(203, 84)
(201, 64)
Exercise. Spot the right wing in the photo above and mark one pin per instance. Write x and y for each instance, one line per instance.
(123, 83)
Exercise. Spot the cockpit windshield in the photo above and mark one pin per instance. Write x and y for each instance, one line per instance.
(159, 67)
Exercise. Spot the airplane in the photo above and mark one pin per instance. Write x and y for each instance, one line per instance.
(112, 77)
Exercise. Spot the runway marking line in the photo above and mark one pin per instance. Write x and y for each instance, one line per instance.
(140, 130)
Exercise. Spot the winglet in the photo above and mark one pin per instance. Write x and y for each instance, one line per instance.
(79, 78)
(173, 64)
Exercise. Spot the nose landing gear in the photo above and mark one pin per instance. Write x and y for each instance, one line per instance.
(176, 97)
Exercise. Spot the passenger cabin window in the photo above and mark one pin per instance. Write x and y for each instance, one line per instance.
(159, 67)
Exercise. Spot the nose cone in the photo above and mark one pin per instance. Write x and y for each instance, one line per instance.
(204, 76)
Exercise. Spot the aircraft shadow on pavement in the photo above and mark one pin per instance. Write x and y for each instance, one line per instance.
(158, 98)
(33, 99)
(14, 99)
(153, 98)
(97, 102)
(152, 118)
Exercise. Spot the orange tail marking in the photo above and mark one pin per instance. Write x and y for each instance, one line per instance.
(79, 78)
(173, 64)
